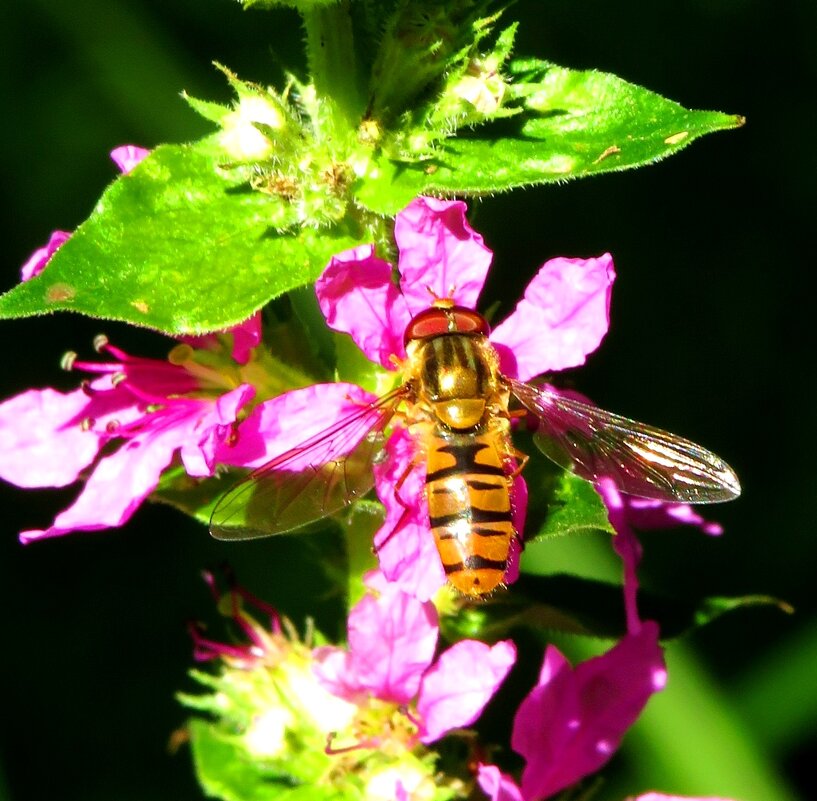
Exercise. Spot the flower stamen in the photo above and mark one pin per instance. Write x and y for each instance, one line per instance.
(67, 360)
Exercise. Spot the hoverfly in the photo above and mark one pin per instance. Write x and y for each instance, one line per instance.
(456, 405)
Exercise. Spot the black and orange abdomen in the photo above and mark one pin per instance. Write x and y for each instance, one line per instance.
(469, 505)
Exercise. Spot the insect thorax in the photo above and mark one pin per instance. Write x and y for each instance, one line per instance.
(456, 377)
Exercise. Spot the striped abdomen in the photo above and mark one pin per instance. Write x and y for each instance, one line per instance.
(469, 507)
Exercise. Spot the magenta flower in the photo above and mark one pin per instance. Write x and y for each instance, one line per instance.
(126, 158)
(123, 429)
(562, 317)
(627, 513)
(39, 258)
(501, 787)
(260, 640)
(573, 721)
(392, 642)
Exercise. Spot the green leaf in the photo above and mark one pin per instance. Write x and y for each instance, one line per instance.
(712, 608)
(196, 239)
(573, 605)
(177, 246)
(225, 771)
(571, 505)
(571, 124)
(193, 496)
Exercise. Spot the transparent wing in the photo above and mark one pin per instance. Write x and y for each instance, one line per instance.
(641, 460)
(326, 472)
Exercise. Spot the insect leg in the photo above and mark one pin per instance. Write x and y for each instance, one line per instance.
(416, 460)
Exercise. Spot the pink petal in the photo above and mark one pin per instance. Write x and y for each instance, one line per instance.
(459, 685)
(405, 546)
(626, 545)
(213, 429)
(358, 297)
(646, 514)
(127, 157)
(42, 441)
(39, 258)
(246, 336)
(439, 252)
(553, 664)
(333, 669)
(392, 640)
(392, 637)
(409, 557)
(121, 481)
(290, 420)
(496, 785)
(562, 318)
(571, 724)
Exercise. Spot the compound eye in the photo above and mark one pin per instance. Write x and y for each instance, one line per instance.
(467, 321)
(439, 320)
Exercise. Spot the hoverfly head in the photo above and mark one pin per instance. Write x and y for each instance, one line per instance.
(445, 317)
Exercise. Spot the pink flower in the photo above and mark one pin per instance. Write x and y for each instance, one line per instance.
(499, 786)
(627, 513)
(122, 429)
(126, 158)
(231, 605)
(392, 642)
(244, 339)
(573, 721)
(39, 258)
(562, 317)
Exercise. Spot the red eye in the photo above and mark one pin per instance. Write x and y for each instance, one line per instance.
(440, 320)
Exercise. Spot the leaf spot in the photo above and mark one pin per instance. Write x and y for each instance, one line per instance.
(613, 150)
(676, 138)
(59, 292)
(140, 306)
(557, 164)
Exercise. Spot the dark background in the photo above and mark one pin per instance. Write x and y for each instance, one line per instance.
(711, 337)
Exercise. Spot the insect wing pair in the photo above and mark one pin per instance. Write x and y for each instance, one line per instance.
(333, 468)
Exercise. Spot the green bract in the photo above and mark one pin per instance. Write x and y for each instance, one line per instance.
(200, 236)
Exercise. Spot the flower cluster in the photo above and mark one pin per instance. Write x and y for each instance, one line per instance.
(367, 712)
(121, 430)
(560, 320)
(365, 720)
(134, 417)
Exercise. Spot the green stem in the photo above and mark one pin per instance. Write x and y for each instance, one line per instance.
(331, 59)
(359, 527)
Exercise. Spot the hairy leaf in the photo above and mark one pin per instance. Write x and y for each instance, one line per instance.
(178, 246)
(571, 505)
(570, 124)
(226, 771)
